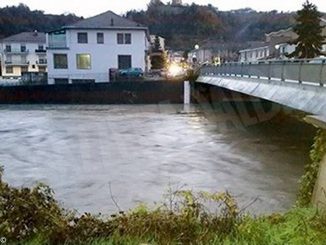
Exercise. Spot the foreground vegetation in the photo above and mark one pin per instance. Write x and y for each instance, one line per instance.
(33, 216)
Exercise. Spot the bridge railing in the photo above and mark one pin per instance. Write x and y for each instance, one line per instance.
(299, 71)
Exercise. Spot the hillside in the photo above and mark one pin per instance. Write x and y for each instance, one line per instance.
(20, 18)
(183, 26)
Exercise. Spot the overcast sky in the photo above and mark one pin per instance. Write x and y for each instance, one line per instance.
(93, 7)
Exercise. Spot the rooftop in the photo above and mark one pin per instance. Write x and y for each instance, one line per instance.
(107, 20)
(26, 37)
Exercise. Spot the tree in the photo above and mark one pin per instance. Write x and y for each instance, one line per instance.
(310, 40)
(157, 57)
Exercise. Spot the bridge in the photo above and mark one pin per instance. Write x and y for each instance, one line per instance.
(298, 84)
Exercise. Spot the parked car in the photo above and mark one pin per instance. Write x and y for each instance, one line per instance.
(318, 60)
(131, 72)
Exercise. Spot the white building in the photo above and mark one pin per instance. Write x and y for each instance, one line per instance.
(277, 45)
(87, 50)
(254, 54)
(200, 55)
(161, 41)
(176, 2)
(24, 52)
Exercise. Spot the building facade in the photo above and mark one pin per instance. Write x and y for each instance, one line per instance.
(254, 54)
(277, 45)
(87, 51)
(176, 2)
(24, 52)
(161, 41)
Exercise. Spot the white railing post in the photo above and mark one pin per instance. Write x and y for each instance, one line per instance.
(187, 93)
(269, 70)
(300, 70)
(321, 82)
(283, 70)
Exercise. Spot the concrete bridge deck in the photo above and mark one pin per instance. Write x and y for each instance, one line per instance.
(297, 84)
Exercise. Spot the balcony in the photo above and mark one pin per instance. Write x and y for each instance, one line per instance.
(16, 63)
(16, 51)
(40, 51)
(57, 40)
(42, 62)
(57, 45)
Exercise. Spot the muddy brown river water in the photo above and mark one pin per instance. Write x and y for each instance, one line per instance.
(140, 150)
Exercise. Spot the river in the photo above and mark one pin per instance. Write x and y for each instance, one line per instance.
(140, 150)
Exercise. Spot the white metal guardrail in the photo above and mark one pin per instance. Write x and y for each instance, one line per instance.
(312, 71)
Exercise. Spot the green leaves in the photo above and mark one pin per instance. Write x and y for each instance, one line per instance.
(309, 31)
(308, 180)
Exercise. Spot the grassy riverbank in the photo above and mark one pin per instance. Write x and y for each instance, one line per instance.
(33, 216)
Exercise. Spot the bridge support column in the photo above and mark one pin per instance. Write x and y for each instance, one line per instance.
(187, 93)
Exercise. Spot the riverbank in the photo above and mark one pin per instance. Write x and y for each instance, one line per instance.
(33, 216)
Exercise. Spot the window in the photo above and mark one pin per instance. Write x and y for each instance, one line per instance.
(100, 37)
(61, 81)
(82, 37)
(120, 38)
(23, 69)
(124, 61)
(40, 47)
(9, 70)
(41, 69)
(83, 61)
(42, 61)
(9, 59)
(127, 38)
(124, 38)
(60, 61)
(22, 48)
(82, 81)
(8, 48)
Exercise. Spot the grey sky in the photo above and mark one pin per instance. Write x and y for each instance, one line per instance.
(93, 7)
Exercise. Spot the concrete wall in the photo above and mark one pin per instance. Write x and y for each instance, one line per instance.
(125, 92)
(319, 196)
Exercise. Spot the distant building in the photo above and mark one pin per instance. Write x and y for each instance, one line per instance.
(254, 54)
(274, 47)
(155, 2)
(24, 52)
(201, 55)
(87, 50)
(161, 40)
(211, 50)
(176, 2)
(277, 45)
(176, 56)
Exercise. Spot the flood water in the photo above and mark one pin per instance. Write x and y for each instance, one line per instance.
(141, 150)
